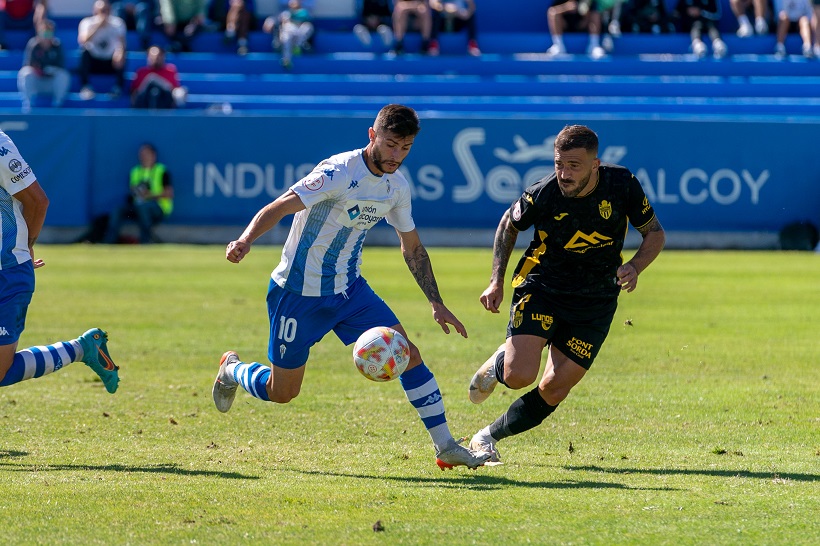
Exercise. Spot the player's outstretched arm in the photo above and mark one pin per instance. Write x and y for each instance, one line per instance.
(503, 245)
(418, 261)
(653, 240)
(264, 220)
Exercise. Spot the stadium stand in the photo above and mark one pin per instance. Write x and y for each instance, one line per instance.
(655, 74)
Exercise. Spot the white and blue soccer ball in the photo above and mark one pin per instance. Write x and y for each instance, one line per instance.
(381, 354)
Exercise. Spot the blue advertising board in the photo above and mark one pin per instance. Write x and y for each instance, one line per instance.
(701, 175)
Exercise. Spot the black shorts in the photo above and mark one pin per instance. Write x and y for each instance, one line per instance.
(576, 326)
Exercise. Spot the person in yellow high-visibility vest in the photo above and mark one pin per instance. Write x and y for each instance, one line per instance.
(151, 199)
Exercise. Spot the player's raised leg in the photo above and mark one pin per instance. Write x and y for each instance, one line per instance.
(561, 374)
(423, 393)
(33, 362)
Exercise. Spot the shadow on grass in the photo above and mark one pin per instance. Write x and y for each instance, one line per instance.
(478, 481)
(700, 472)
(158, 469)
(8, 453)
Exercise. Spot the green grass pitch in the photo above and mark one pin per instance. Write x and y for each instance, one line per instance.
(698, 424)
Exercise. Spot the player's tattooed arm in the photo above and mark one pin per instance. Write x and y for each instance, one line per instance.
(505, 237)
(653, 240)
(418, 261)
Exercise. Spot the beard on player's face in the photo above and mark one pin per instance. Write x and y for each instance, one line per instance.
(385, 165)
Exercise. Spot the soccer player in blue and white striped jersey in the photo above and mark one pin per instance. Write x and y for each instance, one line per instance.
(317, 286)
(23, 205)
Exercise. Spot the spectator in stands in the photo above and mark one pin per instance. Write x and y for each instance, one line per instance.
(156, 85)
(402, 11)
(646, 16)
(102, 41)
(150, 201)
(20, 15)
(453, 15)
(695, 16)
(181, 21)
(790, 14)
(43, 71)
(294, 28)
(574, 16)
(740, 9)
(139, 16)
(815, 25)
(236, 19)
(375, 16)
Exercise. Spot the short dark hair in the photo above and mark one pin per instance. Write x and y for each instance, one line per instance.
(397, 119)
(577, 136)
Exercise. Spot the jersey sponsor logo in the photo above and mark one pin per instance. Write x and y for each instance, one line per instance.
(329, 173)
(581, 242)
(580, 348)
(15, 165)
(314, 184)
(561, 216)
(18, 177)
(353, 184)
(605, 208)
(3, 331)
(4, 151)
(362, 214)
(545, 320)
(516, 212)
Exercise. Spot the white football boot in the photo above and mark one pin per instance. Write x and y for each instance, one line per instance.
(485, 444)
(224, 390)
(484, 380)
(458, 455)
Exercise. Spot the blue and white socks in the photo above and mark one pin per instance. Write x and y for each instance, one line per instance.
(422, 391)
(41, 360)
(252, 377)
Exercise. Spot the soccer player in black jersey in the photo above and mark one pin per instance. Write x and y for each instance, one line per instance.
(566, 286)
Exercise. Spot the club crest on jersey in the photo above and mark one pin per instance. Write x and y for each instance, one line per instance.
(605, 208)
(518, 316)
(15, 166)
(315, 183)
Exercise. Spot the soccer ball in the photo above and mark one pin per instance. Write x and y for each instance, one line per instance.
(381, 354)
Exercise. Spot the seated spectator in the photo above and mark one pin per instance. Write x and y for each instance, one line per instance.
(102, 41)
(43, 71)
(375, 16)
(645, 17)
(740, 9)
(695, 16)
(575, 16)
(181, 21)
(156, 85)
(454, 15)
(236, 19)
(793, 15)
(815, 25)
(139, 16)
(293, 28)
(20, 15)
(150, 200)
(402, 11)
